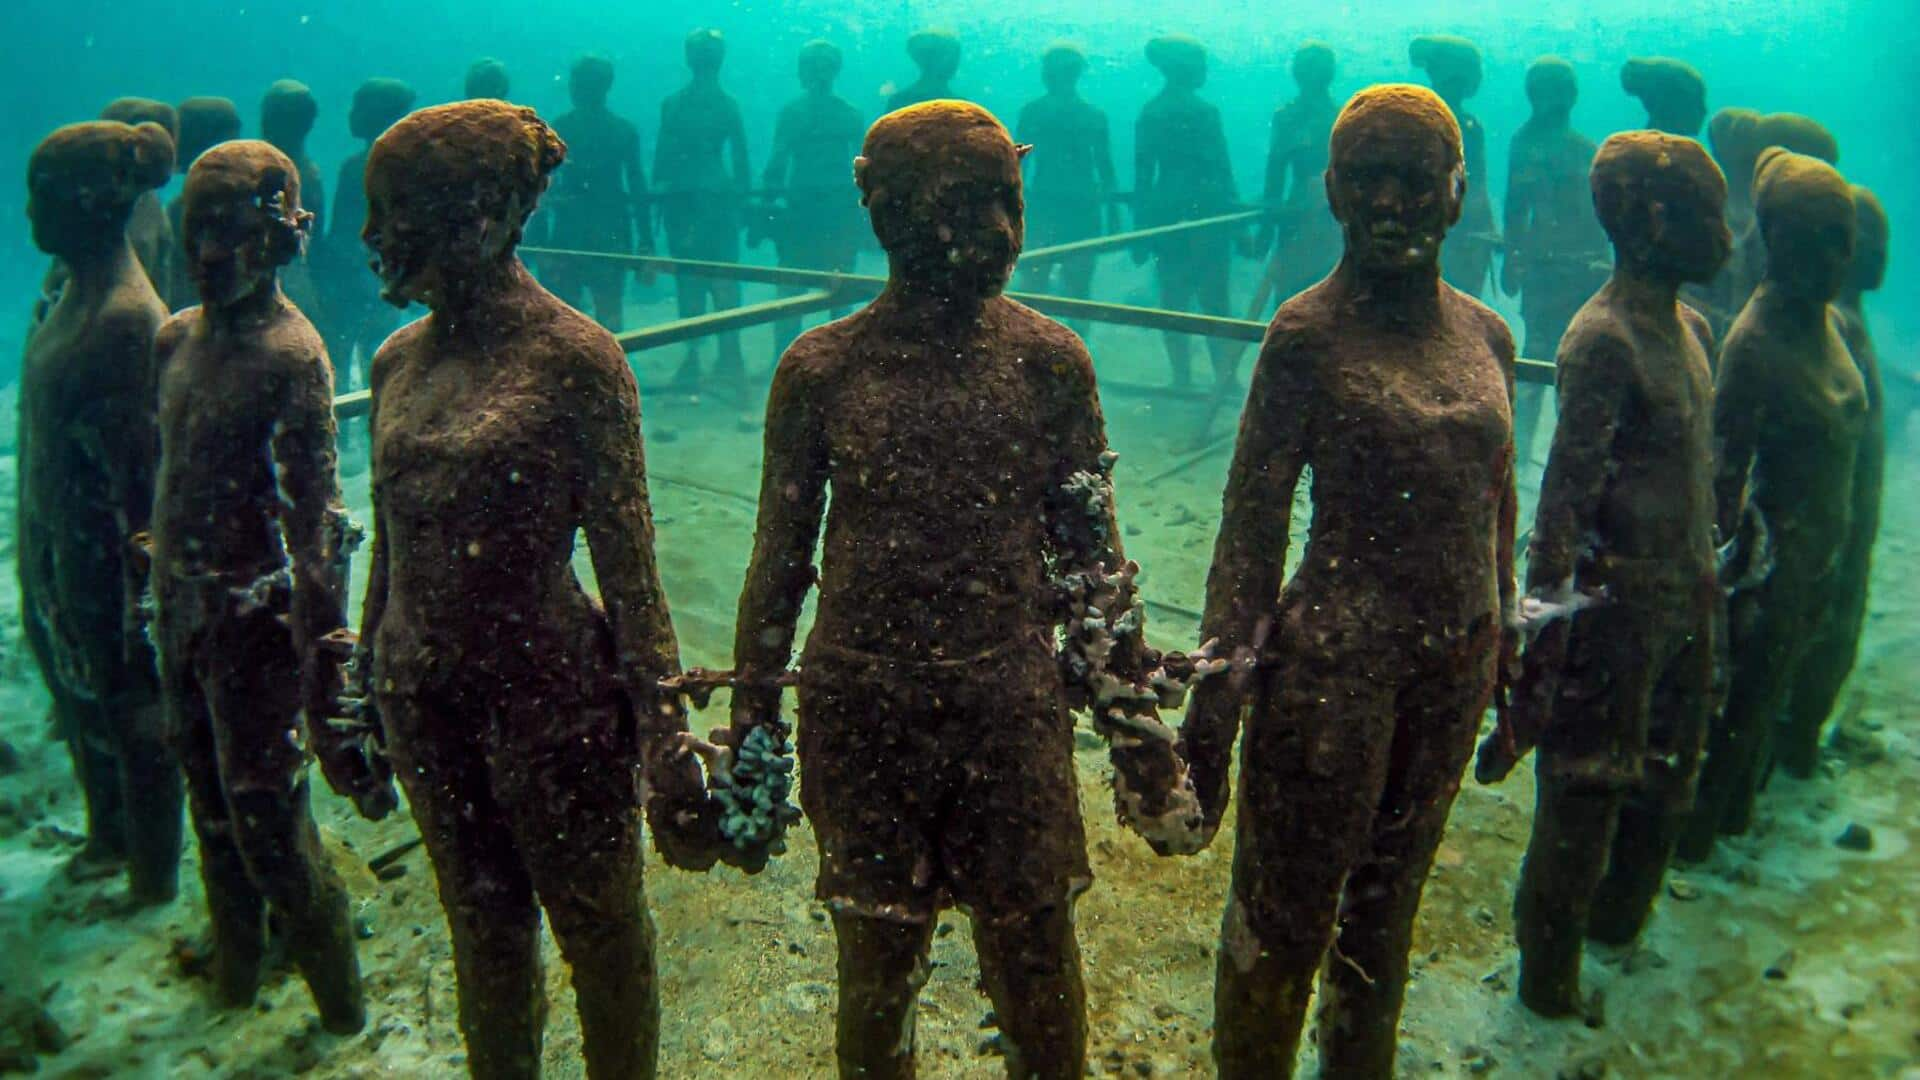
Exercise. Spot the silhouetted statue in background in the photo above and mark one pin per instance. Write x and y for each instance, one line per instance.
(936, 53)
(599, 201)
(1299, 239)
(1182, 172)
(700, 175)
(250, 544)
(816, 223)
(87, 452)
(1370, 669)
(148, 229)
(961, 437)
(487, 78)
(516, 708)
(1556, 253)
(1789, 412)
(1672, 90)
(205, 122)
(1789, 131)
(358, 320)
(1824, 669)
(1069, 174)
(1616, 683)
(1453, 67)
(287, 115)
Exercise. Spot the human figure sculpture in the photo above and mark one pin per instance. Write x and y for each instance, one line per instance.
(936, 53)
(1556, 252)
(487, 78)
(700, 173)
(1825, 668)
(1370, 669)
(205, 122)
(360, 321)
(599, 201)
(1300, 239)
(961, 436)
(1453, 68)
(1069, 174)
(149, 230)
(817, 224)
(87, 452)
(249, 551)
(1673, 92)
(1616, 683)
(514, 707)
(1789, 131)
(1181, 172)
(287, 115)
(1732, 135)
(1789, 412)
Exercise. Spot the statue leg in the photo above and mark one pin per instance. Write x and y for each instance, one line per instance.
(1823, 671)
(1651, 816)
(1177, 290)
(1030, 964)
(1426, 749)
(1313, 763)
(440, 757)
(566, 778)
(883, 965)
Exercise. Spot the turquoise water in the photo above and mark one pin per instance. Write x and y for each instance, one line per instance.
(1782, 956)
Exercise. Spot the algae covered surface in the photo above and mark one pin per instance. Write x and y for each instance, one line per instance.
(1785, 955)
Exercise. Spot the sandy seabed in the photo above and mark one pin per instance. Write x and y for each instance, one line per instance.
(1783, 956)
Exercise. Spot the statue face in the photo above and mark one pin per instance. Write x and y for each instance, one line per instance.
(1396, 192)
(1690, 234)
(956, 226)
(230, 245)
(1811, 251)
(410, 245)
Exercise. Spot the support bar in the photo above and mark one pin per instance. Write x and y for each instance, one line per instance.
(1097, 244)
(739, 318)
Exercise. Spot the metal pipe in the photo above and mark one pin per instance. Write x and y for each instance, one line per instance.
(1096, 244)
(737, 318)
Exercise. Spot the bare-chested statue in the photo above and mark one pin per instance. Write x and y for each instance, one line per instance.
(599, 201)
(1069, 174)
(359, 320)
(1453, 68)
(1181, 172)
(817, 224)
(516, 708)
(287, 115)
(1299, 238)
(1616, 683)
(87, 452)
(1825, 668)
(700, 174)
(962, 440)
(205, 122)
(1790, 408)
(1370, 669)
(936, 52)
(250, 545)
(1674, 93)
(486, 78)
(1555, 251)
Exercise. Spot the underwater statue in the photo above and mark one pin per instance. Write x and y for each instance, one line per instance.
(287, 115)
(1069, 174)
(700, 176)
(516, 709)
(1830, 659)
(961, 437)
(1790, 409)
(249, 552)
(87, 452)
(148, 229)
(1370, 669)
(1453, 68)
(486, 78)
(1673, 92)
(816, 223)
(1616, 683)
(1299, 239)
(1748, 139)
(1555, 251)
(936, 53)
(599, 201)
(359, 320)
(1182, 172)
(205, 122)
